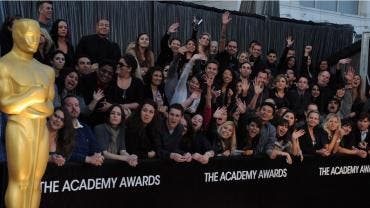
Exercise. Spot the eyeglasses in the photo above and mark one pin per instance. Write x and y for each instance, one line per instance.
(120, 64)
(58, 117)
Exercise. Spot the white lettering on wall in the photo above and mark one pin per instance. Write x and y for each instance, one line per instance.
(90, 184)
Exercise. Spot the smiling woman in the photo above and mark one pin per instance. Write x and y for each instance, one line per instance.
(332, 126)
(154, 88)
(142, 52)
(127, 89)
(226, 143)
(249, 135)
(68, 84)
(61, 136)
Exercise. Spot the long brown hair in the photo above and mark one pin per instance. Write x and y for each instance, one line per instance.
(66, 135)
(147, 52)
(206, 49)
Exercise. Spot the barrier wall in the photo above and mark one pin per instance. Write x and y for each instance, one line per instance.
(224, 182)
(129, 18)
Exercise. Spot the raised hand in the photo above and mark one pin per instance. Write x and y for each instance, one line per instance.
(173, 28)
(242, 107)
(198, 56)
(226, 18)
(349, 74)
(195, 23)
(219, 112)
(94, 67)
(98, 95)
(182, 50)
(289, 41)
(298, 133)
(258, 87)
(345, 61)
(208, 80)
(215, 93)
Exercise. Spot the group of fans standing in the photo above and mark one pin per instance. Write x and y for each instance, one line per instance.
(197, 100)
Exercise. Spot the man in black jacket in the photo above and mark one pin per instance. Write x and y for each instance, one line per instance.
(171, 132)
(97, 46)
(361, 134)
(271, 62)
(227, 55)
(255, 59)
(299, 97)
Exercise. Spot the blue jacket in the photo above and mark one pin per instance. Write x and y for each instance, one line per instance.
(85, 144)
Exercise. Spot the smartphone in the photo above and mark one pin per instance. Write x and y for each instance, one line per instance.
(200, 21)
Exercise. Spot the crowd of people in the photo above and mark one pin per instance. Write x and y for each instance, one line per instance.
(195, 100)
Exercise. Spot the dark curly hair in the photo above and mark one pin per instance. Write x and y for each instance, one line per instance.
(135, 123)
(54, 31)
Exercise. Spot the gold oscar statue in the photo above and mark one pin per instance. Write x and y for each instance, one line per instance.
(26, 95)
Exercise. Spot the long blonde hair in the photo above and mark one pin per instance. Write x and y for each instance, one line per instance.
(232, 146)
(48, 41)
(326, 123)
